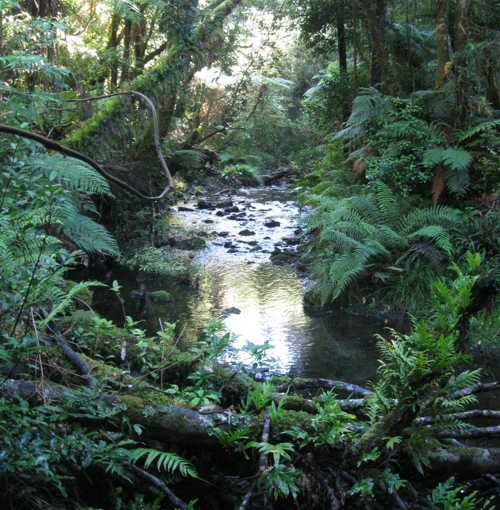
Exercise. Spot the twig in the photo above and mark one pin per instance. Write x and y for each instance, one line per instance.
(398, 500)
(153, 480)
(38, 356)
(477, 388)
(155, 122)
(71, 355)
(465, 415)
(327, 383)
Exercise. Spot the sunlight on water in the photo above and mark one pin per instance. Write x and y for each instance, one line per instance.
(258, 301)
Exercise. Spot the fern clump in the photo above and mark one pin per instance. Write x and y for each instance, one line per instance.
(368, 245)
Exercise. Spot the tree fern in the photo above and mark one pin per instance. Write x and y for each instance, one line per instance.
(368, 106)
(436, 104)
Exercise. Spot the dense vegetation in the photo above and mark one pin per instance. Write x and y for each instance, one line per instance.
(384, 115)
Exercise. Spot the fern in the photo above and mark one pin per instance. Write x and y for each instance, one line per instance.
(360, 237)
(436, 105)
(370, 104)
(74, 174)
(168, 461)
(61, 305)
(481, 128)
(86, 233)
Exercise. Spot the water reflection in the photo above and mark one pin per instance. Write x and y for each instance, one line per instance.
(266, 300)
(269, 299)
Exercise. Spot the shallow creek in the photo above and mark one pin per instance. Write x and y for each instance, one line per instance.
(258, 300)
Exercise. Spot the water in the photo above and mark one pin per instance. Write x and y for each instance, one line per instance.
(259, 301)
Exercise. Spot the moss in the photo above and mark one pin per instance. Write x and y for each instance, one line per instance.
(135, 407)
(278, 380)
(231, 385)
(152, 397)
(297, 403)
(160, 296)
(287, 420)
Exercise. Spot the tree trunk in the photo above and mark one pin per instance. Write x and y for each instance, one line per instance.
(341, 40)
(492, 95)
(127, 38)
(174, 71)
(461, 25)
(375, 11)
(113, 42)
(443, 52)
(461, 37)
(354, 50)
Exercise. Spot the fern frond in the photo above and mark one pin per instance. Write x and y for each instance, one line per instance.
(61, 305)
(438, 234)
(458, 181)
(86, 233)
(434, 215)
(437, 105)
(483, 127)
(343, 271)
(188, 158)
(74, 174)
(165, 460)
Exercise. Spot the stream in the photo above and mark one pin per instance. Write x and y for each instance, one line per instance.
(259, 301)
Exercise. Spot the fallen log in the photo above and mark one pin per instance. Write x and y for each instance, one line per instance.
(468, 461)
(269, 179)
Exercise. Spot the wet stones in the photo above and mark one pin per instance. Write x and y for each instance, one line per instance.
(224, 204)
(205, 204)
(246, 232)
(291, 241)
(272, 223)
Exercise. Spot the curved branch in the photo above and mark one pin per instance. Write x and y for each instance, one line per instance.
(54, 146)
(155, 122)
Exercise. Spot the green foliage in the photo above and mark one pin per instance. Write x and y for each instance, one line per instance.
(331, 425)
(164, 461)
(329, 98)
(44, 447)
(418, 370)
(403, 141)
(159, 261)
(240, 174)
(40, 208)
(283, 480)
(375, 241)
(446, 497)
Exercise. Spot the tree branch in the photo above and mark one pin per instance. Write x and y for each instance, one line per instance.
(54, 146)
(153, 480)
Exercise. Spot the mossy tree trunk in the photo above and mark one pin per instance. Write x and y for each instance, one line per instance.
(108, 130)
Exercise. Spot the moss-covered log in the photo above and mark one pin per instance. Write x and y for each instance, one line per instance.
(467, 461)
